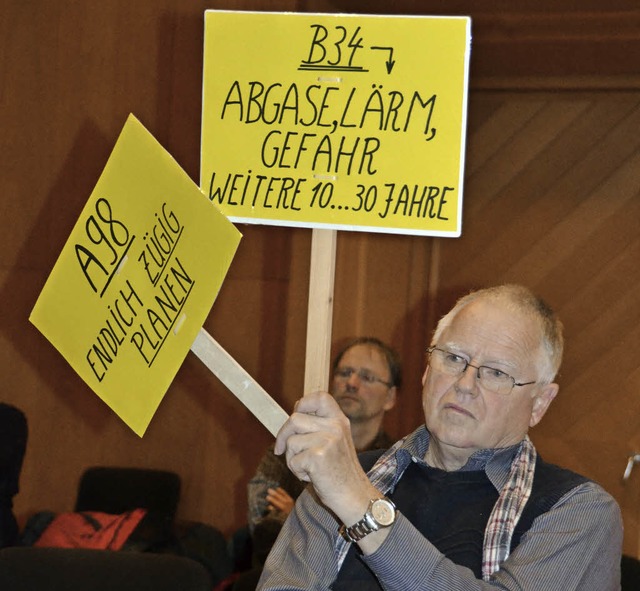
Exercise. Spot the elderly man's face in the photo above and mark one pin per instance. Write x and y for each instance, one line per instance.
(460, 414)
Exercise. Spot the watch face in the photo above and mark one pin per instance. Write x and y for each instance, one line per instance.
(384, 512)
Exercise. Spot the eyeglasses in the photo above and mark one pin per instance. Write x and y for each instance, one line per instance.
(490, 378)
(344, 373)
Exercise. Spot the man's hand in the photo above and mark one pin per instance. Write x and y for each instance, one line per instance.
(319, 449)
(279, 500)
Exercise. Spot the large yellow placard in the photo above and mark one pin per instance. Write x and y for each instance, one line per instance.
(136, 278)
(349, 122)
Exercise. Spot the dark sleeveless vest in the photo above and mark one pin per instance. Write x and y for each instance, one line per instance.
(437, 503)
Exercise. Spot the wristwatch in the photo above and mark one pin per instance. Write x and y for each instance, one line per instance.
(381, 513)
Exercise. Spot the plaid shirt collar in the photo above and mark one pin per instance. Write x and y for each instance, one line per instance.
(413, 448)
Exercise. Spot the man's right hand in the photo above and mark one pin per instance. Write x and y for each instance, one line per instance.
(317, 441)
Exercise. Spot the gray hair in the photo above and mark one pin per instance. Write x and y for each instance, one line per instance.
(519, 299)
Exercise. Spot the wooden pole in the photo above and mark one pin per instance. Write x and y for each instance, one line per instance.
(320, 312)
(236, 379)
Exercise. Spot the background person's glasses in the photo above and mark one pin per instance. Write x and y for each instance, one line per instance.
(490, 378)
(365, 376)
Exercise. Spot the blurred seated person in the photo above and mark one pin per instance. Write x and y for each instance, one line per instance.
(366, 378)
(13, 444)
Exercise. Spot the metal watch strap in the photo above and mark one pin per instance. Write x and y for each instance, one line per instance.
(358, 530)
(366, 525)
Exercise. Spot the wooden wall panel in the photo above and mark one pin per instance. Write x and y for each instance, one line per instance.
(551, 200)
(534, 43)
(382, 285)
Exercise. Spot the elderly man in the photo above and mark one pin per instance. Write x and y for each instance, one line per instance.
(463, 502)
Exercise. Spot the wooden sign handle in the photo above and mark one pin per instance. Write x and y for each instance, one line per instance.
(236, 379)
(320, 312)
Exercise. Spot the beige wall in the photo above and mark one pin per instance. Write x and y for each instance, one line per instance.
(551, 200)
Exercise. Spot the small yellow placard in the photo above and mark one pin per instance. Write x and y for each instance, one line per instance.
(349, 122)
(136, 278)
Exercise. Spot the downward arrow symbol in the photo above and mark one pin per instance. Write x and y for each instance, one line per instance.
(390, 62)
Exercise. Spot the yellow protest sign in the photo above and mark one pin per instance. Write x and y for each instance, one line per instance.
(352, 122)
(136, 278)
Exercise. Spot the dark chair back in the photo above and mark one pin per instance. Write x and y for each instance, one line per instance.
(117, 490)
(630, 573)
(13, 444)
(75, 569)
